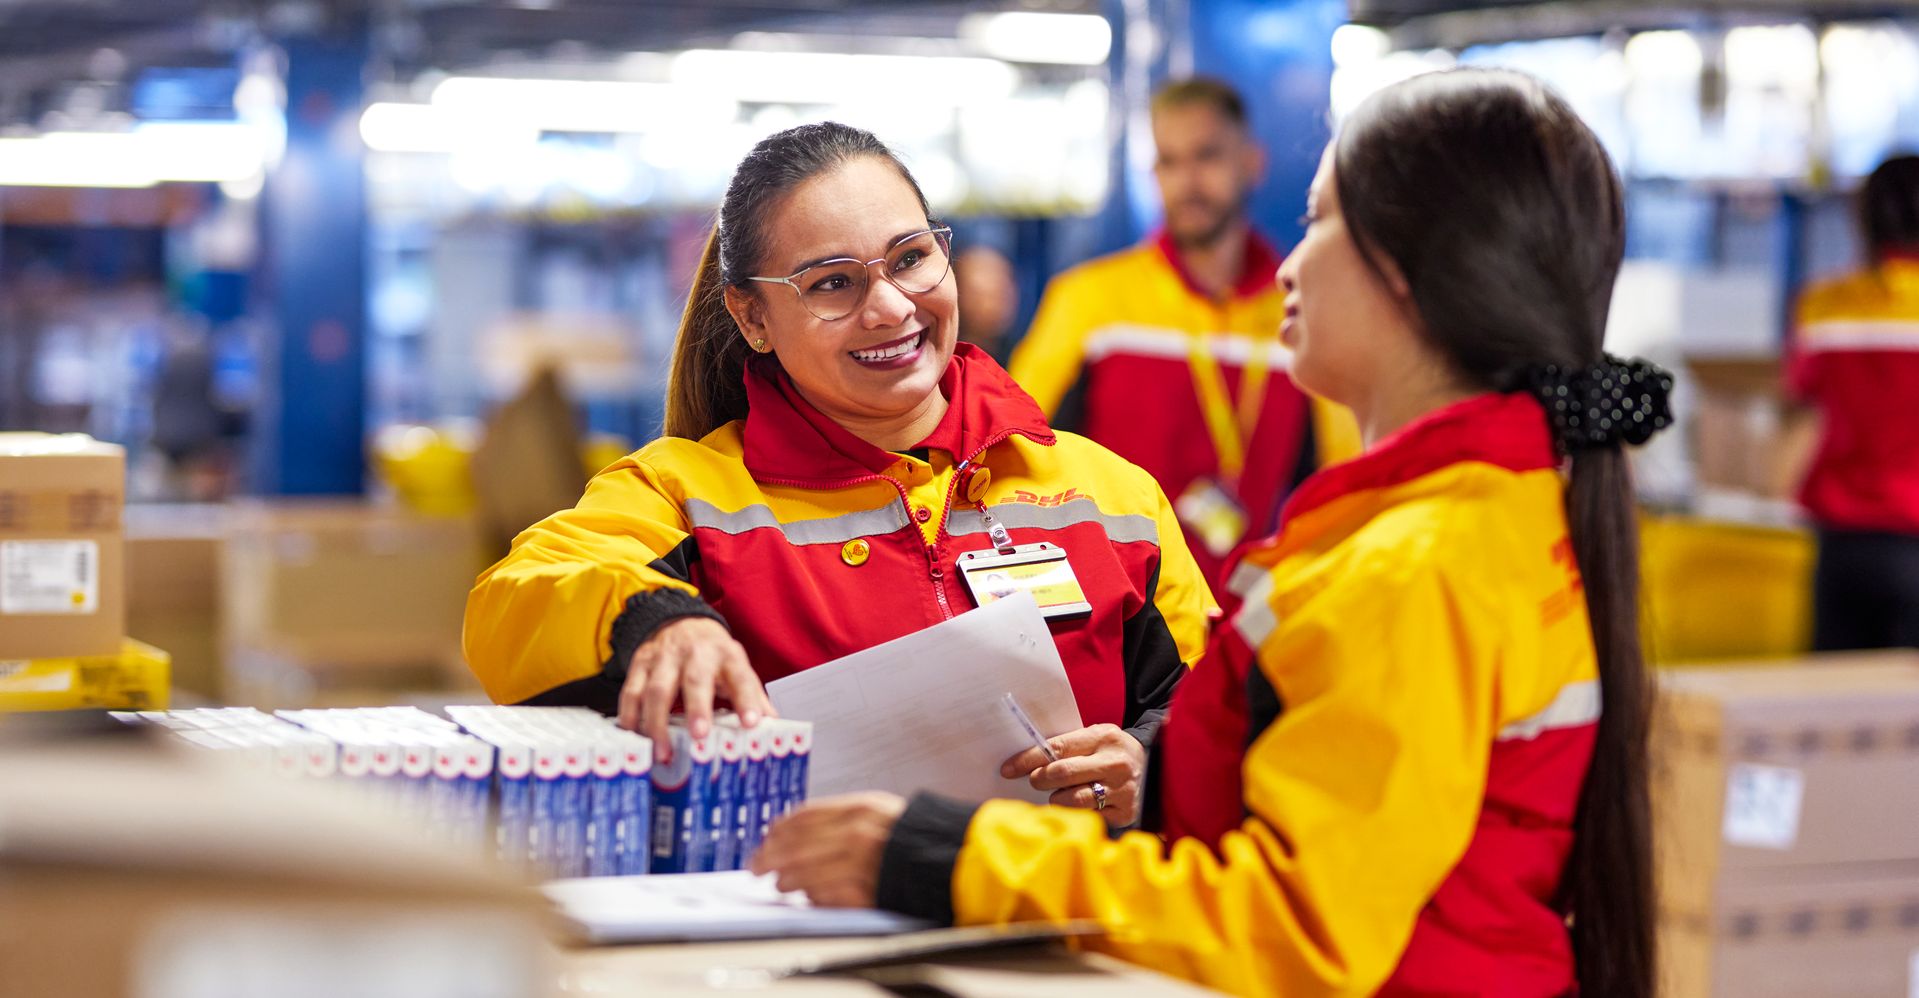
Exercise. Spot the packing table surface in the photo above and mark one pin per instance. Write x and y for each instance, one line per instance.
(683, 969)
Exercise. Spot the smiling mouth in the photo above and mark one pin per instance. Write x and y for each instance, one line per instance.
(894, 350)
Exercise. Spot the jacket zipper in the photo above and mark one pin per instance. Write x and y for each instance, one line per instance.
(934, 573)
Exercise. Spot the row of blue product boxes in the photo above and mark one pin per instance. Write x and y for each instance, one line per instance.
(561, 790)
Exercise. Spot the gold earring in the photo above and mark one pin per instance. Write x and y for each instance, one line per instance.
(760, 344)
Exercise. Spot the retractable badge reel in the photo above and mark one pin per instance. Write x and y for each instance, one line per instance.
(1042, 569)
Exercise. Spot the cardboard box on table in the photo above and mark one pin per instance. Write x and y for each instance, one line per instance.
(62, 580)
(136, 870)
(1786, 813)
(325, 594)
(173, 588)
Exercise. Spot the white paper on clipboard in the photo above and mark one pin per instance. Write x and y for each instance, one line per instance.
(923, 712)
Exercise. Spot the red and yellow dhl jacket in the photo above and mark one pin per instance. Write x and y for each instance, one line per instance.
(811, 544)
(1369, 782)
(1110, 354)
(1855, 356)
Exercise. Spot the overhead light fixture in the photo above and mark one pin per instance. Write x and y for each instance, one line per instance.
(839, 78)
(1359, 44)
(395, 127)
(150, 154)
(580, 105)
(1037, 37)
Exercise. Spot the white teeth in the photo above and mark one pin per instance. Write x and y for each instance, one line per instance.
(890, 353)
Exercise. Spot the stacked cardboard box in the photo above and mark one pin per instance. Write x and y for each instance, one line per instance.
(1787, 814)
(63, 602)
(62, 574)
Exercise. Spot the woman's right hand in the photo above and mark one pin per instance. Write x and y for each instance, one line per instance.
(690, 660)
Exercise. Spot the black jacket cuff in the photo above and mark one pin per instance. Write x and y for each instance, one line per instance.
(1146, 729)
(645, 614)
(916, 869)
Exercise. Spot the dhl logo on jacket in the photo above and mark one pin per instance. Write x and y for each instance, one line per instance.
(1856, 357)
(1109, 354)
(1373, 773)
(813, 544)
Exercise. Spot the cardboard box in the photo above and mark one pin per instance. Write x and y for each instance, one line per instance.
(173, 588)
(1833, 933)
(62, 574)
(138, 678)
(1765, 772)
(1746, 436)
(135, 870)
(314, 590)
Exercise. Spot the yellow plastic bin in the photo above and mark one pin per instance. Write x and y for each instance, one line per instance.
(1724, 591)
(135, 679)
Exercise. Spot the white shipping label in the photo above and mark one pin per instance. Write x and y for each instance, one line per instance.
(49, 577)
(1762, 806)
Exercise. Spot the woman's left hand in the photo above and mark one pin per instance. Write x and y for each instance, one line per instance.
(1102, 754)
(831, 848)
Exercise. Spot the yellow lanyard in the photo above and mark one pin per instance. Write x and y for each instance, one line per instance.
(1231, 436)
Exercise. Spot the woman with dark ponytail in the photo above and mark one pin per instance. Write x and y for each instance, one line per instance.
(1413, 761)
(832, 453)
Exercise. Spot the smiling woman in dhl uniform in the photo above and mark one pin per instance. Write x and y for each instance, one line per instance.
(1391, 773)
(832, 452)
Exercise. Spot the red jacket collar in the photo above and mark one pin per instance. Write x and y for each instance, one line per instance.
(1507, 431)
(1257, 274)
(788, 440)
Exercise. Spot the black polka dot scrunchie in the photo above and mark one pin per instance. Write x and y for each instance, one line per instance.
(1612, 403)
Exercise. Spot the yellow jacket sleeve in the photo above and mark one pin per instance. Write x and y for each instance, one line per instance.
(1183, 598)
(1048, 359)
(1361, 798)
(544, 615)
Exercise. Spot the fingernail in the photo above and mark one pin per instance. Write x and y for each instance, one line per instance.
(700, 726)
(750, 717)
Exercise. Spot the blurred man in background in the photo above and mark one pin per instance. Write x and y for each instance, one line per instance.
(1168, 352)
(988, 298)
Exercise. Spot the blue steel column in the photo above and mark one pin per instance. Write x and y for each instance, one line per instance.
(1278, 53)
(311, 422)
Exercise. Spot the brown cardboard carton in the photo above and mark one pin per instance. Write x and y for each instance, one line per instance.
(173, 588)
(135, 870)
(62, 575)
(1834, 932)
(1784, 769)
(313, 591)
(527, 465)
(1746, 436)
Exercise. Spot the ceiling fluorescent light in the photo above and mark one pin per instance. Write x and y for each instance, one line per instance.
(1036, 37)
(837, 78)
(580, 105)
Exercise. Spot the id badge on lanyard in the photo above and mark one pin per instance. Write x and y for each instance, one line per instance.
(1006, 568)
(1210, 507)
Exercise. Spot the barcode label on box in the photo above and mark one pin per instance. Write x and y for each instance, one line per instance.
(1762, 806)
(45, 577)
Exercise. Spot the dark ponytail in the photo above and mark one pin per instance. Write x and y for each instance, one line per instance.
(1504, 214)
(1889, 208)
(706, 387)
